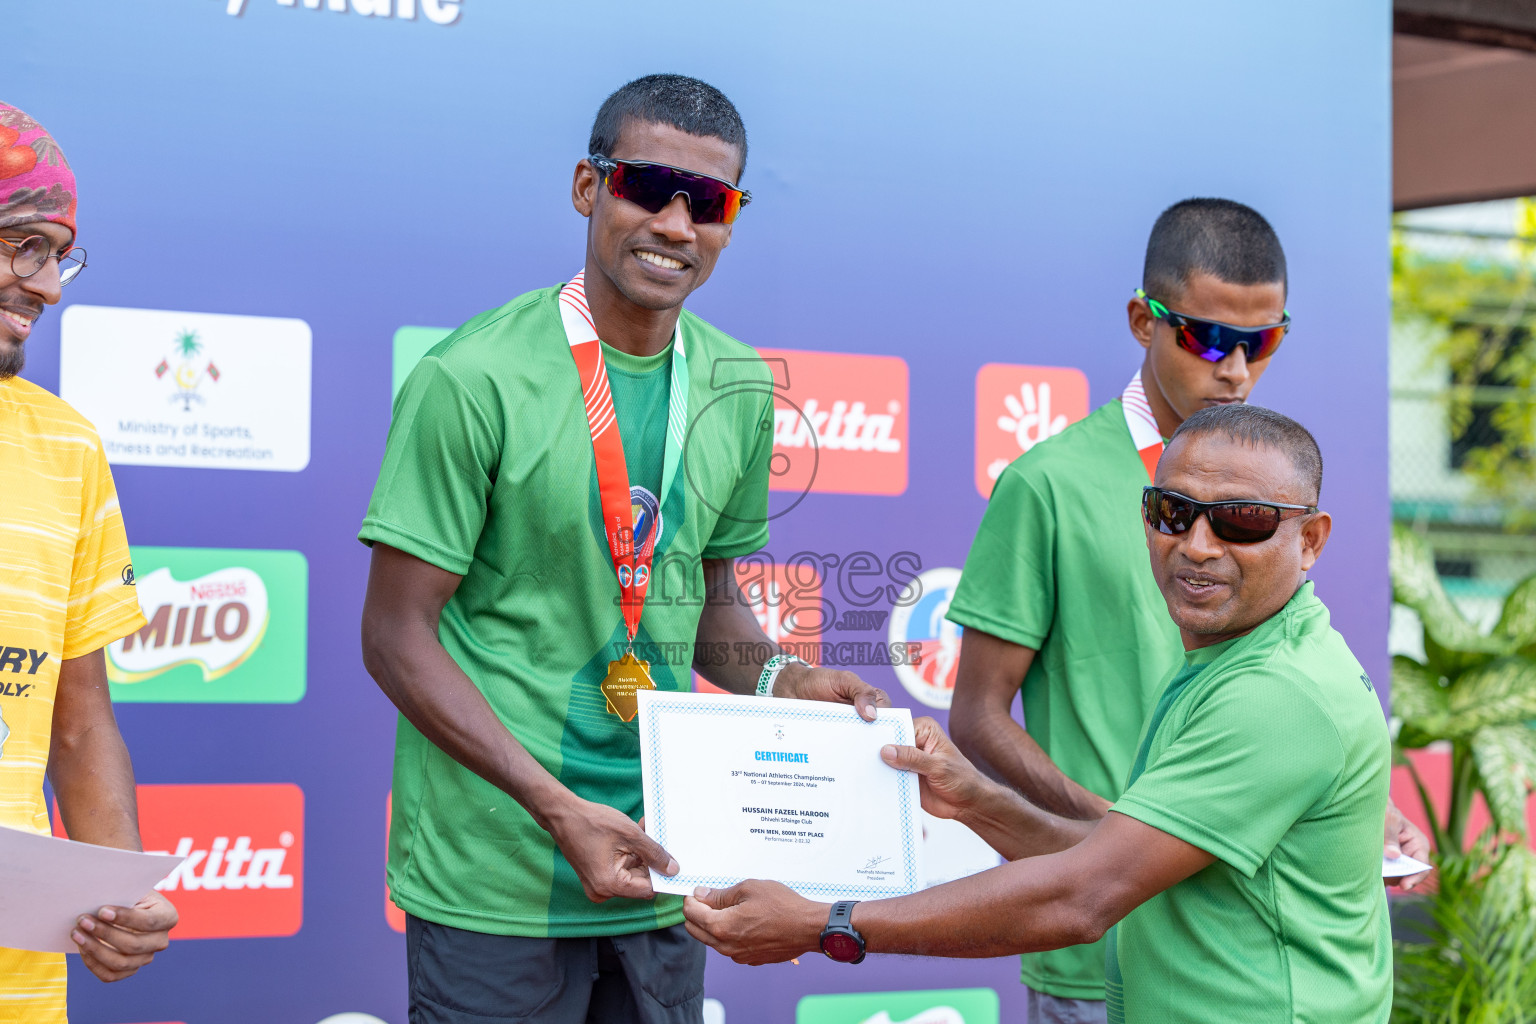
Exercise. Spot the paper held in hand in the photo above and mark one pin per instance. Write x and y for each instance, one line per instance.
(1402, 865)
(47, 883)
(789, 790)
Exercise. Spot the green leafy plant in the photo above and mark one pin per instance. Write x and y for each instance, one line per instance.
(1475, 691)
(1475, 965)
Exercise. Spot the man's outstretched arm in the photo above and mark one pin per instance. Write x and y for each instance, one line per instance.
(981, 721)
(1046, 902)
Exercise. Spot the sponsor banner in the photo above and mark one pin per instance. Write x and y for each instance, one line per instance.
(244, 876)
(410, 344)
(1017, 407)
(393, 915)
(788, 604)
(937, 1006)
(225, 626)
(839, 422)
(191, 390)
(918, 618)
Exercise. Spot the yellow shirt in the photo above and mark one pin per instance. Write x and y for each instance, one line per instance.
(66, 590)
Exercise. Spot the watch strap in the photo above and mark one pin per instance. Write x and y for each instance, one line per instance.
(771, 669)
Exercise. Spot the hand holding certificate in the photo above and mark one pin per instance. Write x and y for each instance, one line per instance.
(794, 791)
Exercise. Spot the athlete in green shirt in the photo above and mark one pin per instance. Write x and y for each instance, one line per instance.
(547, 502)
(1056, 599)
(1241, 866)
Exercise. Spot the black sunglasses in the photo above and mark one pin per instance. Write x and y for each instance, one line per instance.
(1237, 522)
(652, 186)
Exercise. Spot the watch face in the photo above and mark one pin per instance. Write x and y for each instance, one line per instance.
(840, 947)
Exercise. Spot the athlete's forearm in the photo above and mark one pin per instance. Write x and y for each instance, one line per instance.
(728, 627)
(433, 693)
(1001, 748)
(88, 761)
(1016, 828)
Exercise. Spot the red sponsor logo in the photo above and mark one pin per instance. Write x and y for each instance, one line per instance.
(787, 602)
(1017, 407)
(393, 915)
(839, 422)
(244, 872)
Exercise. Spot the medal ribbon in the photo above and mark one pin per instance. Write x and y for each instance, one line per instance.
(1142, 424)
(631, 566)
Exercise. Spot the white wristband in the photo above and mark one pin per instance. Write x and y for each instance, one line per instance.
(771, 669)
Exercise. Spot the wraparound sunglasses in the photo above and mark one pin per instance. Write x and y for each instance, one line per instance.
(652, 186)
(1237, 522)
(1213, 340)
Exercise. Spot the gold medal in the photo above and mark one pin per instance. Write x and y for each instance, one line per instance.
(625, 677)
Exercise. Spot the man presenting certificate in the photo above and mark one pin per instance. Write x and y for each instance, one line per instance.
(1239, 875)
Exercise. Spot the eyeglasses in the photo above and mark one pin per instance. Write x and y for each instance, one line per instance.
(652, 186)
(1213, 340)
(1236, 522)
(29, 255)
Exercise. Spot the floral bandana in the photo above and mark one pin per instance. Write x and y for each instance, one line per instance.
(36, 183)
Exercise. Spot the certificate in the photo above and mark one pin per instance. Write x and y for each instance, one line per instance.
(789, 790)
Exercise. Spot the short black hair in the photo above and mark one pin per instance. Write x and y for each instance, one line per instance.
(1255, 425)
(1217, 236)
(686, 104)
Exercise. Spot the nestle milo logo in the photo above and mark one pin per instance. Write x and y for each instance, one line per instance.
(221, 626)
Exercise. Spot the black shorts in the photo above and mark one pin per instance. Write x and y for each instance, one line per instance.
(464, 977)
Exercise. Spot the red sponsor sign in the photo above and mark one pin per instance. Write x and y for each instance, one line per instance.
(393, 915)
(839, 422)
(244, 873)
(1017, 407)
(787, 602)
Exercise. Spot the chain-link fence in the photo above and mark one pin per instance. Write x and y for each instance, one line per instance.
(1463, 405)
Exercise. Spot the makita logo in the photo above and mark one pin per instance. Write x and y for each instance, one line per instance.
(846, 426)
(226, 865)
(839, 422)
(244, 844)
(215, 621)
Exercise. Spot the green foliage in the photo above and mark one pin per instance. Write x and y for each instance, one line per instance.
(1475, 967)
(1482, 303)
(1474, 691)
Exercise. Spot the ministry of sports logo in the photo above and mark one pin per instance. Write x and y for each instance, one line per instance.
(189, 370)
(919, 618)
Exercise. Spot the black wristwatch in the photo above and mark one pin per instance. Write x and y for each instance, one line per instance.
(838, 939)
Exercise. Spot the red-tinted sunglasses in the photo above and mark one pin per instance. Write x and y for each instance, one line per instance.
(1213, 340)
(652, 186)
(1236, 522)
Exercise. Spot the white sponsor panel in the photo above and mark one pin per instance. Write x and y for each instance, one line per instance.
(191, 390)
(951, 850)
(215, 621)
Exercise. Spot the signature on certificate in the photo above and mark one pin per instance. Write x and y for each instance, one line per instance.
(875, 862)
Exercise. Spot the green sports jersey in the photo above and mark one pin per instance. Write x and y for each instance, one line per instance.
(489, 474)
(1060, 565)
(1270, 752)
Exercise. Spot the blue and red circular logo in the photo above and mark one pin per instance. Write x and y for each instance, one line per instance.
(919, 618)
(625, 575)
